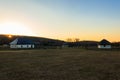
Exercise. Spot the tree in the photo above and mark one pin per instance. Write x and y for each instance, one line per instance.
(76, 40)
(69, 40)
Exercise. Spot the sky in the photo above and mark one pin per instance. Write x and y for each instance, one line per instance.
(62, 19)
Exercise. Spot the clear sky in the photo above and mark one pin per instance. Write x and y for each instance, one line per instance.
(61, 19)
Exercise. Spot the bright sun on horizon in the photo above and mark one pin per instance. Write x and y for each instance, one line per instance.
(15, 29)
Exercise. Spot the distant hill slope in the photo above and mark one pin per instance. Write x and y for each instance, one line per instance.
(83, 44)
(4, 39)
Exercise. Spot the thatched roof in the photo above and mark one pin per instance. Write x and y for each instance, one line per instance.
(21, 41)
(104, 42)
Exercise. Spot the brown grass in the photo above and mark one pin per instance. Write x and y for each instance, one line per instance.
(59, 64)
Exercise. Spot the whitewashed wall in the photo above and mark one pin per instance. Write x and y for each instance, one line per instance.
(22, 46)
(104, 47)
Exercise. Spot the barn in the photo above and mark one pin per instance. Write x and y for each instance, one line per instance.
(22, 43)
(104, 44)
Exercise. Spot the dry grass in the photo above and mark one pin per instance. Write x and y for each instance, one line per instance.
(59, 64)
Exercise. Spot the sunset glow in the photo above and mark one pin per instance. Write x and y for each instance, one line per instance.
(15, 29)
(61, 19)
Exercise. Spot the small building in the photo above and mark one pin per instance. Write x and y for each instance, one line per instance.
(104, 44)
(22, 43)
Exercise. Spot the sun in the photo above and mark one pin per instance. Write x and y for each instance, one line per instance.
(15, 29)
(9, 36)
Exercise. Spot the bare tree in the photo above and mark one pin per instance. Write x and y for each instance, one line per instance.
(69, 40)
(76, 40)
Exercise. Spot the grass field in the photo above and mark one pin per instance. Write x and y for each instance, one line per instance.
(59, 64)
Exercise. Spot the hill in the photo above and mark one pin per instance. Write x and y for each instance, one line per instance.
(83, 44)
(5, 39)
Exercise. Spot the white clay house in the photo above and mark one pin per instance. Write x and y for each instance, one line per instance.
(22, 43)
(104, 44)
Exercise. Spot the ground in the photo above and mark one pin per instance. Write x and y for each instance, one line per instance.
(59, 64)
